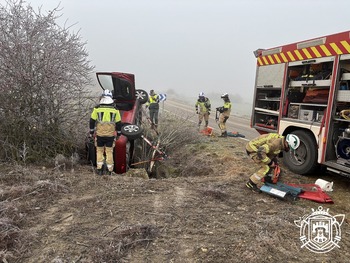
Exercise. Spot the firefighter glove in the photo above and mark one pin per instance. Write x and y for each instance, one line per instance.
(275, 160)
(272, 164)
(91, 133)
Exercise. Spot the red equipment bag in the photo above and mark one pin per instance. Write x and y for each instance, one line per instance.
(313, 192)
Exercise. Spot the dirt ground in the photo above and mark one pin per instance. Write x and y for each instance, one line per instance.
(203, 214)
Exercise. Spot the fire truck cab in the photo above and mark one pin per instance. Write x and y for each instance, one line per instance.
(304, 88)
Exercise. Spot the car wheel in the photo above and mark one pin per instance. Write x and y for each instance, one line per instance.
(132, 131)
(141, 95)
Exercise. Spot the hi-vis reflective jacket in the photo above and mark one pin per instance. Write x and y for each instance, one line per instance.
(107, 120)
(203, 105)
(266, 146)
(153, 102)
(227, 108)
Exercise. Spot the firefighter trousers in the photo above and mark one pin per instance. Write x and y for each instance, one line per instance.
(262, 172)
(201, 116)
(104, 148)
(222, 123)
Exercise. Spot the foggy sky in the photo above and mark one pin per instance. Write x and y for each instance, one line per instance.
(193, 45)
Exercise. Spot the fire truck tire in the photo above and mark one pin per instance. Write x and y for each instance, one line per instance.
(141, 95)
(132, 131)
(304, 160)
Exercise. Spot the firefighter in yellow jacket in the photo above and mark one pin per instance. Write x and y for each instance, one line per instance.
(153, 106)
(225, 112)
(203, 108)
(264, 151)
(106, 122)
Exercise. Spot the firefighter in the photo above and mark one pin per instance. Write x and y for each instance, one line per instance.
(153, 106)
(225, 112)
(264, 150)
(105, 121)
(203, 108)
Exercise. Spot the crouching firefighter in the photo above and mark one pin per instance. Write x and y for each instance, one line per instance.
(106, 122)
(225, 112)
(264, 150)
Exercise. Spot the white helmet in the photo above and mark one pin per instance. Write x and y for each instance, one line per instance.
(107, 93)
(293, 141)
(201, 94)
(225, 95)
(106, 100)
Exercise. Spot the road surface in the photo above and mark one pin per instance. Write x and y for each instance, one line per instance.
(233, 124)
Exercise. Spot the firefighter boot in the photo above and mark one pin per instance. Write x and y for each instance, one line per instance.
(252, 186)
(224, 134)
(99, 172)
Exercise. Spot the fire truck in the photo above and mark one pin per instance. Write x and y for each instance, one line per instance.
(303, 88)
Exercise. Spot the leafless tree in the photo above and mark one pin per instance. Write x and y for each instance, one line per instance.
(44, 72)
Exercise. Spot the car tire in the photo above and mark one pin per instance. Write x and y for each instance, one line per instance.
(141, 95)
(132, 131)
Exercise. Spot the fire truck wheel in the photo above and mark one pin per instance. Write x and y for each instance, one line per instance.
(304, 160)
(132, 131)
(141, 95)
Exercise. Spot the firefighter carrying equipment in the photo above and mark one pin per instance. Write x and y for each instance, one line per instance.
(264, 150)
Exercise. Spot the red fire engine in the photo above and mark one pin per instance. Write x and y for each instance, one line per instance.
(304, 88)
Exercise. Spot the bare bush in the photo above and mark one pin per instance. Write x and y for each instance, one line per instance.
(43, 96)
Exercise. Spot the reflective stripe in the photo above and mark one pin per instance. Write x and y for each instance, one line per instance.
(256, 176)
(266, 160)
(99, 116)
